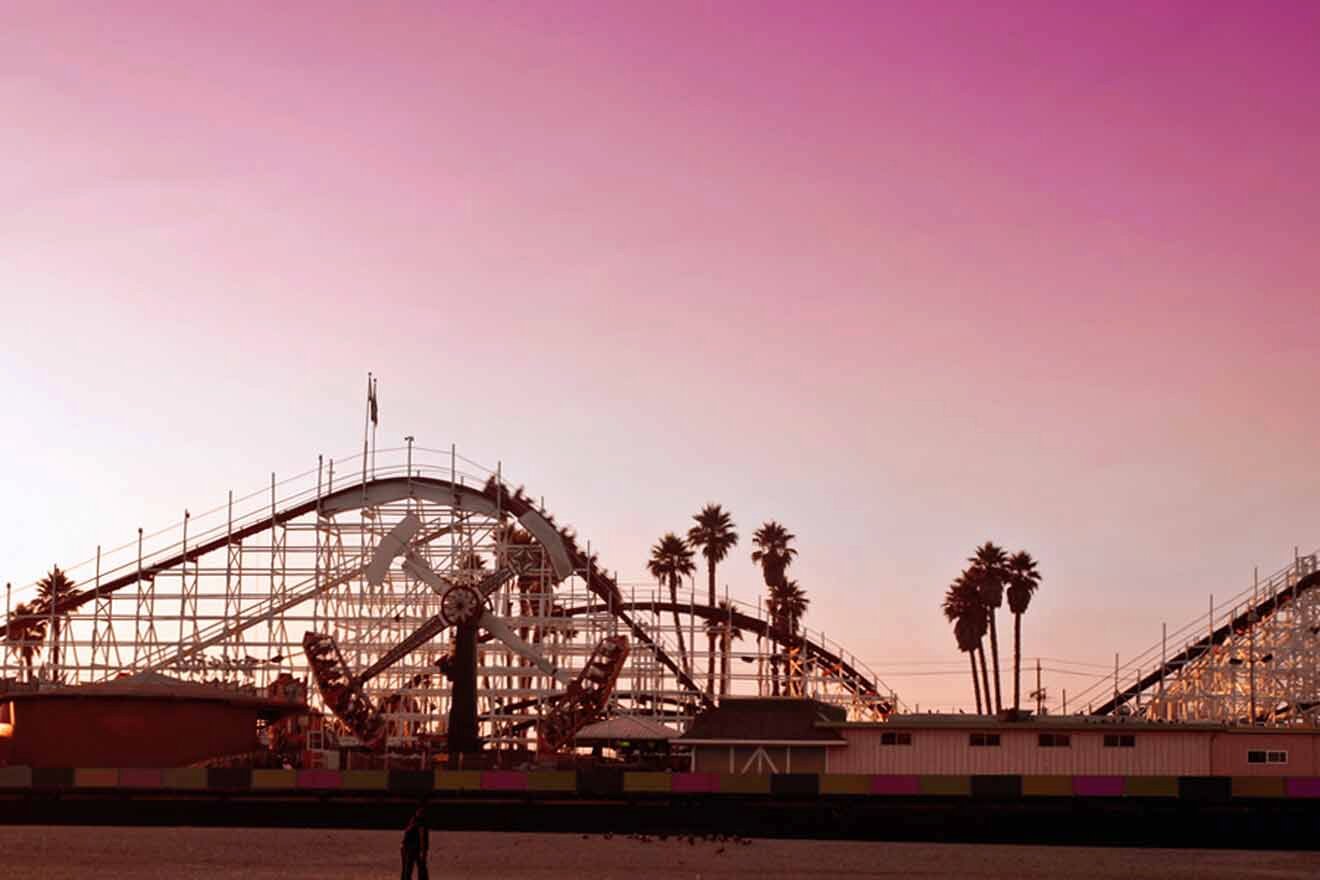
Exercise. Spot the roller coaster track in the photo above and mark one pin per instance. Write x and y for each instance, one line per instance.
(1197, 650)
(491, 498)
(865, 688)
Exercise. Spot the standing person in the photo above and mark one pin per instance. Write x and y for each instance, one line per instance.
(416, 845)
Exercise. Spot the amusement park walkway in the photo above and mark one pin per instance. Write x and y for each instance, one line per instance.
(291, 854)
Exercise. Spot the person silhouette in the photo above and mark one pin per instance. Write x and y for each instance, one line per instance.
(416, 845)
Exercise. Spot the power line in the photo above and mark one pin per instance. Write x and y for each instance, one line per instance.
(951, 672)
(1006, 660)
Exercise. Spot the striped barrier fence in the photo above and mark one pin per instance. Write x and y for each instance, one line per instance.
(614, 783)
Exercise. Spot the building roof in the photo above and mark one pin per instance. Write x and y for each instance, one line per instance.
(1066, 723)
(154, 686)
(765, 720)
(626, 727)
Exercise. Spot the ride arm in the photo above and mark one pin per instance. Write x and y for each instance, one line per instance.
(423, 634)
(394, 543)
(417, 566)
(502, 631)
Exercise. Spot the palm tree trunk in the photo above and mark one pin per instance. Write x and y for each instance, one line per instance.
(1017, 662)
(710, 636)
(994, 655)
(985, 677)
(55, 643)
(678, 627)
(976, 682)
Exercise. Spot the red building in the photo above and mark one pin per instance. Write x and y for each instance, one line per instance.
(146, 720)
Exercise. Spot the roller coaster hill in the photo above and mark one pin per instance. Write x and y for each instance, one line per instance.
(403, 608)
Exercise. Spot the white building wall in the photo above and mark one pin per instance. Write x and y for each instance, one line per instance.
(936, 752)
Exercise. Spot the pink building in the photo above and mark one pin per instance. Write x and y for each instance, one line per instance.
(783, 735)
(1069, 746)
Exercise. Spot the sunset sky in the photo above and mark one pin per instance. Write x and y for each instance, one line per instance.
(906, 277)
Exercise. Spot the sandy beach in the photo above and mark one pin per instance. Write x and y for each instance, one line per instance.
(66, 853)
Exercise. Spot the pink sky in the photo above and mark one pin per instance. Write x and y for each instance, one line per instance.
(904, 281)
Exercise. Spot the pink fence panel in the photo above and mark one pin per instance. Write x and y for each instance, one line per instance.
(895, 785)
(1098, 786)
(695, 783)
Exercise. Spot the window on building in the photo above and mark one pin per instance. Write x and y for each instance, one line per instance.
(1055, 741)
(984, 739)
(1276, 757)
(892, 738)
(1256, 756)
(1120, 741)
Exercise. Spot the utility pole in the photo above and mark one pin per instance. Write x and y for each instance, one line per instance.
(1039, 693)
(1115, 684)
(1164, 658)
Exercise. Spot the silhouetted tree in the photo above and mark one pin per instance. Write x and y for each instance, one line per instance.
(727, 633)
(774, 554)
(24, 631)
(790, 604)
(1023, 581)
(962, 606)
(523, 554)
(714, 536)
(791, 601)
(51, 590)
(989, 572)
(671, 561)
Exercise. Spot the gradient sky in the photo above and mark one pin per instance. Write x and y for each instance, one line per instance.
(1041, 272)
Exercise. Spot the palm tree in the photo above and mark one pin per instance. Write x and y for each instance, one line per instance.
(25, 630)
(51, 590)
(962, 606)
(774, 555)
(726, 632)
(1023, 580)
(773, 552)
(472, 565)
(671, 561)
(521, 554)
(790, 603)
(713, 534)
(989, 572)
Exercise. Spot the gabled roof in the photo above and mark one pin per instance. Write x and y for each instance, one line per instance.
(629, 727)
(765, 720)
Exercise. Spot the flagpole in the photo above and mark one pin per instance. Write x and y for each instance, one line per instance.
(375, 416)
(366, 423)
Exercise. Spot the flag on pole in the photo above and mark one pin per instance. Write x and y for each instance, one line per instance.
(371, 401)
